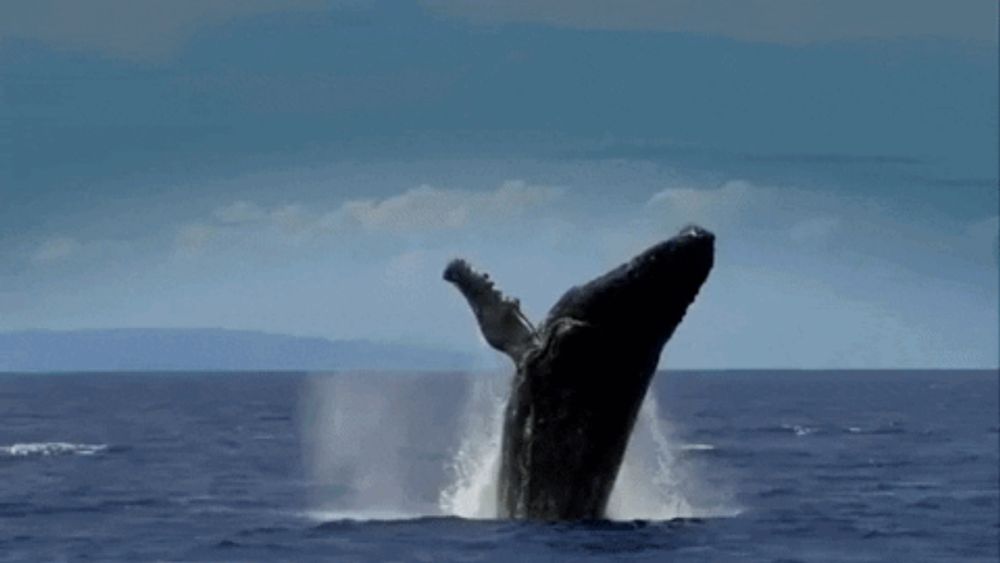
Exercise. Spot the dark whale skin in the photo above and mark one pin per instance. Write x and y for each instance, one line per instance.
(583, 375)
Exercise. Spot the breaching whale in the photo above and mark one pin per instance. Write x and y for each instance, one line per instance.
(583, 374)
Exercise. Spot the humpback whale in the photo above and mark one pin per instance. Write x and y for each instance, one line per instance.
(583, 373)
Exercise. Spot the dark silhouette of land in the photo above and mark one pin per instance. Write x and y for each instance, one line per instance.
(209, 350)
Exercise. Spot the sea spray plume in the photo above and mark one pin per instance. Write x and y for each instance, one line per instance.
(371, 442)
(663, 479)
(472, 493)
(582, 376)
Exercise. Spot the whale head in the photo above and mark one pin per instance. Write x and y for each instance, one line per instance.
(647, 297)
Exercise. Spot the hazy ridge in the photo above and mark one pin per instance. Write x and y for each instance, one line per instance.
(135, 349)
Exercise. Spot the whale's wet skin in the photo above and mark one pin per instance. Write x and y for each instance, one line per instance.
(582, 376)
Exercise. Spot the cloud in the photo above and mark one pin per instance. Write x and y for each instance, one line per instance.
(985, 234)
(983, 183)
(80, 255)
(738, 210)
(138, 30)
(738, 207)
(748, 219)
(240, 212)
(293, 219)
(192, 239)
(426, 208)
(55, 249)
(774, 21)
(423, 208)
(709, 206)
(838, 280)
(841, 159)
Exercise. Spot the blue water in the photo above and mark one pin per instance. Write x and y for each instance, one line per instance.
(807, 466)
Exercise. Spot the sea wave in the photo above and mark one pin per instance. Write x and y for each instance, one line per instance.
(696, 447)
(361, 515)
(890, 428)
(51, 449)
(799, 429)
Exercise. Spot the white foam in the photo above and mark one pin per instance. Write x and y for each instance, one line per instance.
(696, 447)
(653, 483)
(803, 430)
(358, 453)
(358, 515)
(472, 492)
(656, 484)
(355, 440)
(51, 449)
(798, 429)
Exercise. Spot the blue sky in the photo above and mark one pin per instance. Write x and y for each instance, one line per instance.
(308, 167)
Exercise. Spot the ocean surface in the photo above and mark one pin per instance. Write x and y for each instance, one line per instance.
(723, 466)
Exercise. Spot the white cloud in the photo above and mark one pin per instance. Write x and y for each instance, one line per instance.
(130, 29)
(289, 217)
(82, 254)
(192, 239)
(737, 208)
(777, 21)
(426, 208)
(55, 249)
(240, 212)
(891, 280)
(423, 208)
(712, 207)
(293, 219)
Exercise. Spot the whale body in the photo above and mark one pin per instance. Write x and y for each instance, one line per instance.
(583, 374)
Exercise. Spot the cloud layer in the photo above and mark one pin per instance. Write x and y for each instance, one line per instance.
(777, 21)
(144, 30)
(421, 210)
(153, 30)
(427, 208)
(802, 278)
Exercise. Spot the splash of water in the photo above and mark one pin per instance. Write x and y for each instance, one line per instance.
(374, 445)
(45, 449)
(656, 481)
(473, 490)
(356, 438)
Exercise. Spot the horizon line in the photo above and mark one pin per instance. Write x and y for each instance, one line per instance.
(334, 371)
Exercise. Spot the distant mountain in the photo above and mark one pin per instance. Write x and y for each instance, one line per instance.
(208, 349)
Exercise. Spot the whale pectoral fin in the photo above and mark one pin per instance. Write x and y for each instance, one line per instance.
(500, 318)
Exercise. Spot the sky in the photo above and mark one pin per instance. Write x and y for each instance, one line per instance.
(308, 167)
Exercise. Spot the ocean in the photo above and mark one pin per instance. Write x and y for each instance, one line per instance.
(722, 466)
